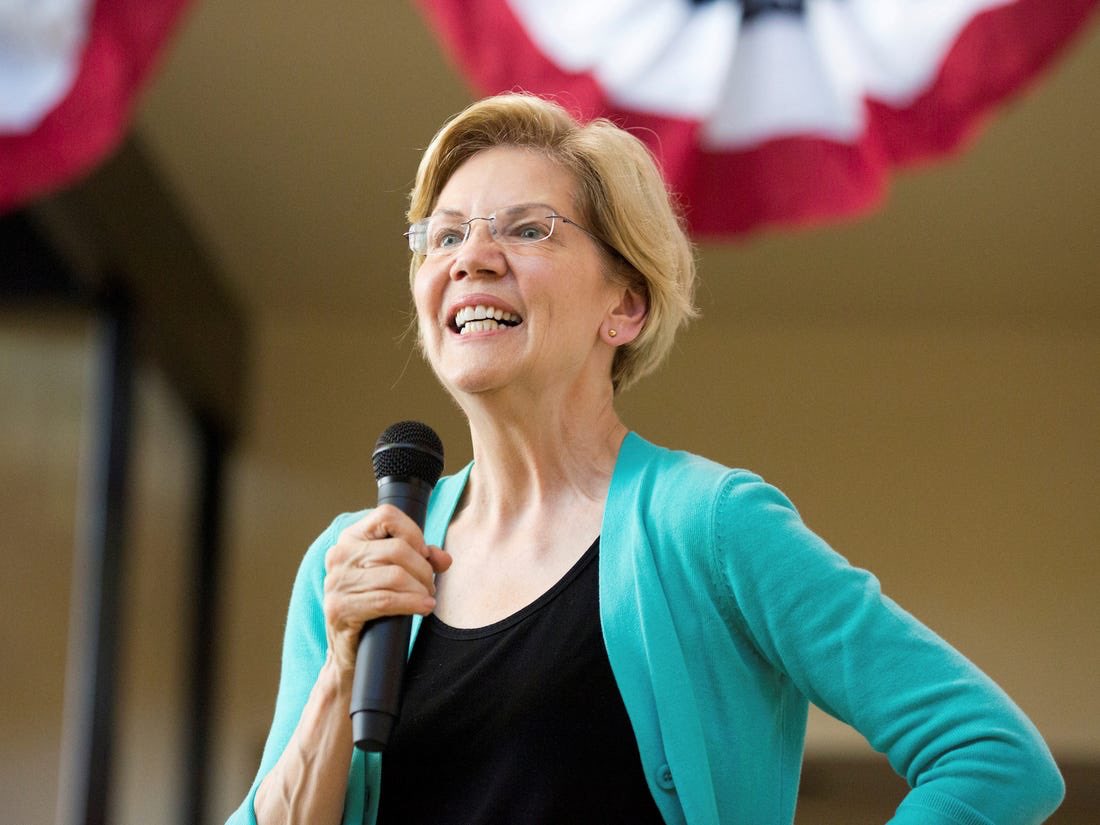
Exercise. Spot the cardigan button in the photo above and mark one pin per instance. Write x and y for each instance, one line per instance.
(664, 777)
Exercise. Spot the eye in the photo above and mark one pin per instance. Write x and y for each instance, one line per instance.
(445, 236)
(529, 230)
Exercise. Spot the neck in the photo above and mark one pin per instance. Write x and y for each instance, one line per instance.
(541, 452)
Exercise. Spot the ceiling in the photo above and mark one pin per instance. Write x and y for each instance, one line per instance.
(291, 134)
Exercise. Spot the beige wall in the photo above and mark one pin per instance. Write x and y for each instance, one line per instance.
(47, 371)
(42, 384)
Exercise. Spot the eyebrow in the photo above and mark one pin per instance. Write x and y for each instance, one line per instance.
(515, 207)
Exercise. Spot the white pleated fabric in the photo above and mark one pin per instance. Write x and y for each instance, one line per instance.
(780, 74)
(40, 46)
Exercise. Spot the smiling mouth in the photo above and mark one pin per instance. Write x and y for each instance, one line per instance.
(482, 319)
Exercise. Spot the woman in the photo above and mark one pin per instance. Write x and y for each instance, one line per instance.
(617, 632)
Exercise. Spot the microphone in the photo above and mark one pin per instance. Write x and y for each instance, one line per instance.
(408, 459)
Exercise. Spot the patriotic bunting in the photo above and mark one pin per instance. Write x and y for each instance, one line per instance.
(69, 73)
(767, 111)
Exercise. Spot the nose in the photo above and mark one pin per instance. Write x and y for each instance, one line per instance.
(479, 254)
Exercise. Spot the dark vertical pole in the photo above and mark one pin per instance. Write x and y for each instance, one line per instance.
(84, 794)
(198, 720)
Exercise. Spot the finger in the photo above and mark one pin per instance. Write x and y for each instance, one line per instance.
(346, 615)
(439, 559)
(392, 592)
(387, 521)
(382, 523)
(383, 564)
(399, 556)
(395, 602)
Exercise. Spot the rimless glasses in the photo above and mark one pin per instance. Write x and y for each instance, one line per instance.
(521, 225)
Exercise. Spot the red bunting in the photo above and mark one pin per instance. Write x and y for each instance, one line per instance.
(124, 41)
(794, 177)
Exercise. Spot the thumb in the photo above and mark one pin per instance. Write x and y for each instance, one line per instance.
(439, 558)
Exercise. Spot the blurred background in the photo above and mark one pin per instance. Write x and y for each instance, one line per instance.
(922, 380)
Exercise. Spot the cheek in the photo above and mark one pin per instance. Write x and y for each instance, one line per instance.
(423, 289)
(427, 291)
(427, 333)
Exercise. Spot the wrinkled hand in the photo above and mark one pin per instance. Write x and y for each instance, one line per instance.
(380, 566)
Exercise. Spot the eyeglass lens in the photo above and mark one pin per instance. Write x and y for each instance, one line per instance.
(515, 225)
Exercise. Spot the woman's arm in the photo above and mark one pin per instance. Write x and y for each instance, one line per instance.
(378, 565)
(309, 781)
(967, 751)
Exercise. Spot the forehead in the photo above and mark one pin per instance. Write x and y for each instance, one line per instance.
(506, 175)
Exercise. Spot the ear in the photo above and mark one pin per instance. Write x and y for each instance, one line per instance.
(625, 318)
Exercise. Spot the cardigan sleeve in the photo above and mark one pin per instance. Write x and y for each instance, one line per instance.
(968, 753)
(305, 646)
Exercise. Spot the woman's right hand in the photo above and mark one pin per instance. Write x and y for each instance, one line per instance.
(380, 566)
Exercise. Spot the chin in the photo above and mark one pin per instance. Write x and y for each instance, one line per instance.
(470, 379)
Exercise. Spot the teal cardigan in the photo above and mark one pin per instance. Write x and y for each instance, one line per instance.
(723, 616)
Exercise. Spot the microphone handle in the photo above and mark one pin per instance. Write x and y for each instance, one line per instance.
(384, 644)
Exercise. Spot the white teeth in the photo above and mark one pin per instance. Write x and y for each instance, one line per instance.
(478, 326)
(481, 318)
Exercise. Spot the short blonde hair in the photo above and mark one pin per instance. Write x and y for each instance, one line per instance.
(621, 197)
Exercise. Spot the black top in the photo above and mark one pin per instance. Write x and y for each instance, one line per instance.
(517, 722)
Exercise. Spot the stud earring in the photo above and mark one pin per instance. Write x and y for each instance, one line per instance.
(611, 333)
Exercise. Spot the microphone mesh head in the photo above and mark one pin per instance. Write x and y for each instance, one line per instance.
(408, 449)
